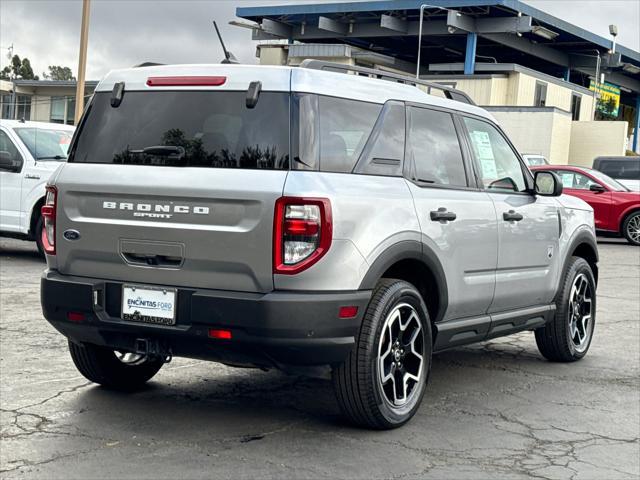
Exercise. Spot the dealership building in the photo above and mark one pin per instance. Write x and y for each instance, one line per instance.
(534, 72)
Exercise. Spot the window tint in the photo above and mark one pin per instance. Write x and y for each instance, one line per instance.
(6, 145)
(202, 129)
(385, 150)
(433, 147)
(345, 126)
(575, 180)
(499, 166)
(624, 169)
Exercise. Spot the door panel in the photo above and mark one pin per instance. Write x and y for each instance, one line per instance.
(467, 246)
(528, 258)
(528, 224)
(578, 185)
(458, 223)
(10, 187)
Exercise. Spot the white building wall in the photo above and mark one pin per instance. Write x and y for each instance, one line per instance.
(594, 139)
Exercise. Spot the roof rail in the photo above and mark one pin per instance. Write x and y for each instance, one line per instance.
(449, 92)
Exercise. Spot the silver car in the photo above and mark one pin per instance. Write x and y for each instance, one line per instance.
(310, 221)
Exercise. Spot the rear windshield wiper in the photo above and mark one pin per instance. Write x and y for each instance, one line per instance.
(161, 151)
(52, 157)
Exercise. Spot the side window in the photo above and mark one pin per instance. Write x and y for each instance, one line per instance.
(345, 126)
(384, 151)
(433, 147)
(10, 158)
(575, 180)
(499, 166)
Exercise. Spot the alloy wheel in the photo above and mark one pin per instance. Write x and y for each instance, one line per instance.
(401, 355)
(580, 313)
(633, 228)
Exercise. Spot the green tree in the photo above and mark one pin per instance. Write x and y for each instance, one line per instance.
(57, 72)
(19, 68)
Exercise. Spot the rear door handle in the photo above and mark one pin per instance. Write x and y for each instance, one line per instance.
(442, 215)
(512, 216)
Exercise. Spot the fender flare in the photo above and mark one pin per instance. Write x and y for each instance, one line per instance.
(583, 236)
(409, 250)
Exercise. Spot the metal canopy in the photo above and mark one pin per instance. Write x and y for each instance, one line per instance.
(508, 31)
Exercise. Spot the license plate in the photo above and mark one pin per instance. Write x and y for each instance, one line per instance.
(149, 304)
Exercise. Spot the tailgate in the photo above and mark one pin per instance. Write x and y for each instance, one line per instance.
(189, 227)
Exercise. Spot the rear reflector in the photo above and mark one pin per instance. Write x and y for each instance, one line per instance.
(220, 334)
(348, 312)
(186, 81)
(76, 316)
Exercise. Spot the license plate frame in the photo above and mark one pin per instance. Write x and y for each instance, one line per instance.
(142, 313)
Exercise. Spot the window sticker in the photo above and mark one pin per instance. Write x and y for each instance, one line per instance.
(485, 153)
(567, 180)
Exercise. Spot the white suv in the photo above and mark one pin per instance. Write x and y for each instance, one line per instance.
(29, 153)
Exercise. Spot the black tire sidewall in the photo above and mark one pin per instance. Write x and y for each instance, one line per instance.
(38, 235)
(625, 226)
(577, 267)
(400, 292)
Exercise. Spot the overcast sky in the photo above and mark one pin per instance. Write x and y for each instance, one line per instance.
(123, 33)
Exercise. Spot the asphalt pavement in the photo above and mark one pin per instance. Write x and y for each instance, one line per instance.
(493, 410)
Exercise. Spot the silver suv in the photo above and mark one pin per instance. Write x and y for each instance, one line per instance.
(307, 220)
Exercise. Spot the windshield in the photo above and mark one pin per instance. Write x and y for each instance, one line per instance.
(186, 129)
(46, 144)
(607, 181)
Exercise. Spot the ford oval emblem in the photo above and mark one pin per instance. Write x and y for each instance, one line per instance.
(71, 234)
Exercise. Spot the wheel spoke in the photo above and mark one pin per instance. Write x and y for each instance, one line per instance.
(400, 355)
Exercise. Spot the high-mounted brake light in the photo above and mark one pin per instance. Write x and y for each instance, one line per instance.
(48, 212)
(202, 81)
(302, 233)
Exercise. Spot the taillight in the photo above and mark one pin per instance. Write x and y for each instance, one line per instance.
(48, 212)
(302, 232)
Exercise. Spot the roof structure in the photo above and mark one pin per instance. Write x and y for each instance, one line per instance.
(506, 31)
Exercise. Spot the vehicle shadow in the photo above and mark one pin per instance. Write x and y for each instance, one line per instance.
(20, 249)
(245, 405)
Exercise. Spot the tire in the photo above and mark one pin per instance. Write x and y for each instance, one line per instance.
(38, 232)
(631, 228)
(361, 391)
(562, 339)
(101, 365)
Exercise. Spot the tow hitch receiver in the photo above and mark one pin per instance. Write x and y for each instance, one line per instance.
(152, 348)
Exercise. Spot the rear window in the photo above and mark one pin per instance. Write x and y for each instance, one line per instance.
(196, 129)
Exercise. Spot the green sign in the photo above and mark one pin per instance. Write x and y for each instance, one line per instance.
(608, 98)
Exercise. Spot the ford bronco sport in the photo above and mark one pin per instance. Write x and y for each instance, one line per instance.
(308, 220)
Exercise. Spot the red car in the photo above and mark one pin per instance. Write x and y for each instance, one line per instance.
(615, 207)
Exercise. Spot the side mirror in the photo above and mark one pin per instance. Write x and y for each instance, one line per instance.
(7, 162)
(597, 188)
(547, 184)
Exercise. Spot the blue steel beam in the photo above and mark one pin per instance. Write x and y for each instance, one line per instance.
(470, 55)
(637, 129)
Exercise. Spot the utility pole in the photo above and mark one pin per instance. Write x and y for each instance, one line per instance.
(82, 62)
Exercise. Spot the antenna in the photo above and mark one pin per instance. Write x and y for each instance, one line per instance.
(228, 56)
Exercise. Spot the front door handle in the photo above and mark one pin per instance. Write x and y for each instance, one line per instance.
(442, 215)
(512, 216)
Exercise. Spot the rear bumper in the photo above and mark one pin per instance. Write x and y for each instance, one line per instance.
(278, 329)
